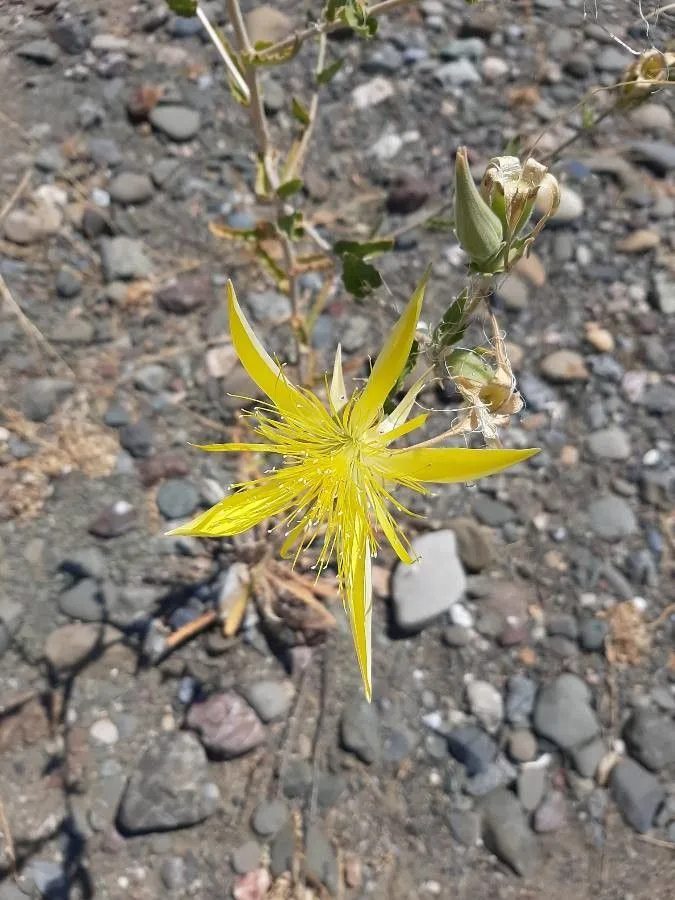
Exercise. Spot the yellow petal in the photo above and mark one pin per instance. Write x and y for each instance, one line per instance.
(392, 532)
(259, 365)
(234, 448)
(445, 464)
(358, 601)
(242, 510)
(390, 362)
(399, 415)
(337, 395)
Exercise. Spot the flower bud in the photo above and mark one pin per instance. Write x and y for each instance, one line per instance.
(478, 229)
(644, 76)
(469, 366)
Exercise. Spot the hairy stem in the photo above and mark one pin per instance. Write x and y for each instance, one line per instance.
(299, 157)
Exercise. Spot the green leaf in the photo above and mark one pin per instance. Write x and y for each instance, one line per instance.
(355, 15)
(454, 323)
(272, 59)
(291, 224)
(288, 188)
(299, 111)
(330, 71)
(184, 8)
(361, 250)
(359, 277)
(332, 8)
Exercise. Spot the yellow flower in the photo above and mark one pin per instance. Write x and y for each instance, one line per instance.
(338, 466)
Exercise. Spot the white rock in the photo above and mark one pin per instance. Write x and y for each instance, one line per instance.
(372, 92)
(105, 732)
(486, 704)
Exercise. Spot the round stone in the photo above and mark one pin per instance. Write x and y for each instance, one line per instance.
(177, 498)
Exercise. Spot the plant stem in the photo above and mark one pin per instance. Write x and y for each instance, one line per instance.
(224, 55)
(255, 107)
(299, 157)
(299, 37)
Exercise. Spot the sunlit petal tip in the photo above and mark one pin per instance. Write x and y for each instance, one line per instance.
(338, 391)
(448, 465)
(391, 360)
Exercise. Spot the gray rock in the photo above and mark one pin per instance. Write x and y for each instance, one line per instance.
(299, 783)
(520, 697)
(563, 625)
(611, 59)
(499, 773)
(71, 645)
(68, 283)
(423, 591)
(136, 438)
(163, 170)
(246, 857)
(183, 295)
(662, 292)
(563, 714)
(587, 758)
(48, 877)
(458, 73)
(104, 152)
(269, 817)
(522, 745)
(650, 738)
(73, 331)
(274, 96)
(537, 393)
(268, 306)
(531, 786)
(282, 851)
(124, 259)
(610, 443)
(473, 747)
(514, 293)
(177, 498)
(578, 65)
(652, 117)
(320, 859)
(90, 114)
(397, 743)
(637, 793)
(485, 702)
(611, 518)
(178, 123)
(227, 725)
(270, 699)
(592, 634)
(465, 826)
(659, 156)
(152, 378)
(116, 416)
(169, 789)
(552, 814)
(131, 187)
(475, 545)
(71, 35)
(87, 600)
(174, 872)
(43, 51)
(461, 48)
(492, 512)
(42, 396)
(49, 159)
(659, 398)
(114, 520)
(382, 60)
(507, 834)
(456, 636)
(360, 730)
(356, 333)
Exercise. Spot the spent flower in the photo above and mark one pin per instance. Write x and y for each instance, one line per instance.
(339, 468)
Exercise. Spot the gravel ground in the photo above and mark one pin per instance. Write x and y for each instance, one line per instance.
(521, 742)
